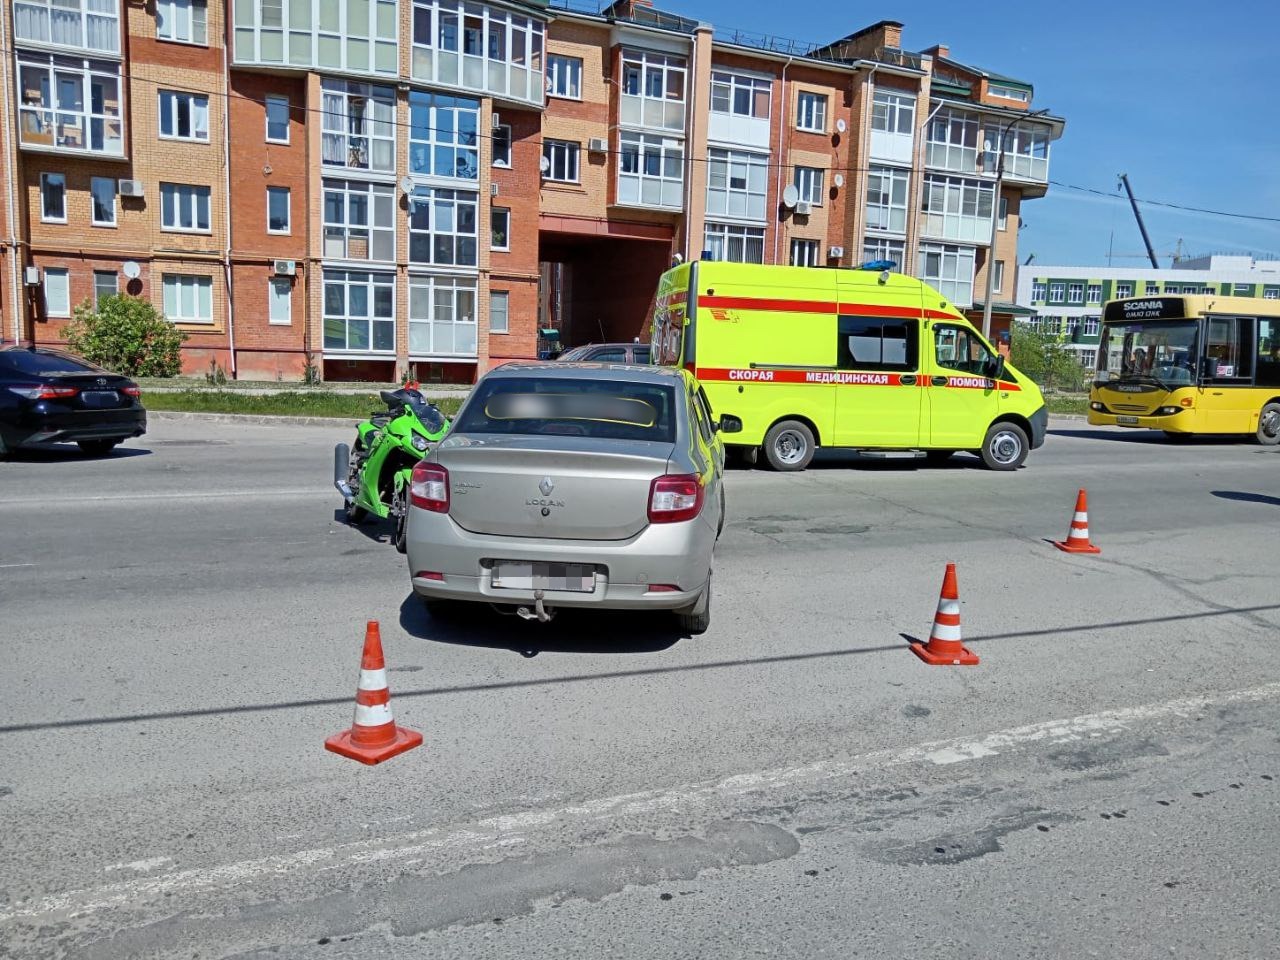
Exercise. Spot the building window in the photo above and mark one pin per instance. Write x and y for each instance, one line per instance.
(1153, 289)
(1243, 290)
(277, 209)
(277, 120)
(184, 207)
(500, 228)
(442, 317)
(92, 25)
(443, 139)
(479, 47)
(1009, 93)
(561, 158)
(102, 195)
(564, 77)
(1075, 294)
(1093, 295)
(809, 181)
(184, 116)
(957, 209)
(57, 292)
(887, 199)
(1271, 293)
(1091, 326)
(359, 221)
(804, 253)
(354, 36)
(188, 299)
(651, 170)
(736, 184)
(502, 145)
(183, 21)
(1123, 290)
(105, 285)
(1002, 216)
(70, 103)
(949, 270)
(811, 112)
(1026, 152)
(737, 244)
(893, 112)
(499, 312)
(1088, 358)
(53, 198)
(736, 95)
(1057, 293)
(953, 141)
(279, 301)
(359, 311)
(442, 227)
(652, 90)
(998, 279)
(359, 126)
(883, 248)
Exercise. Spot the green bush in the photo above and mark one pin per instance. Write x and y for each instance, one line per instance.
(1045, 358)
(126, 335)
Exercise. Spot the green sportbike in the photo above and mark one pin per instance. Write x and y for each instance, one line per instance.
(373, 474)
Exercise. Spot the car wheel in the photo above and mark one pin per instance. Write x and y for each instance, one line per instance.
(789, 446)
(1269, 424)
(97, 448)
(1004, 447)
(402, 525)
(938, 456)
(697, 619)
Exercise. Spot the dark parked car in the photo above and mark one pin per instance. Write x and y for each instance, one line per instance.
(608, 353)
(47, 396)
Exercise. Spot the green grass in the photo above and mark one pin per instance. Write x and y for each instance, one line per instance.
(348, 406)
(1067, 403)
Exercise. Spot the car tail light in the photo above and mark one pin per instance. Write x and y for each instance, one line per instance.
(131, 391)
(663, 588)
(429, 575)
(429, 487)
(44, 392)
(675, 497)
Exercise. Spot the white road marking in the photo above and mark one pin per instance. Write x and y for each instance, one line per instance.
(45, 503)
(10, 566)
(139, 866)
(510, 830)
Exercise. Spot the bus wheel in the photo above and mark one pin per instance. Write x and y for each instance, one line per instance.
(1005, 447)
(1269, 424)
(789, 445)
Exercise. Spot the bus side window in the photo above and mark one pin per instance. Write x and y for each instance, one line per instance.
(1268, 353)
(1229, 348)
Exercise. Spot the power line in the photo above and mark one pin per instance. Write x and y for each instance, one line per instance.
(1169, 205)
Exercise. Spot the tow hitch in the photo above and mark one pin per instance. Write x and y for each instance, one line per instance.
(539, 611)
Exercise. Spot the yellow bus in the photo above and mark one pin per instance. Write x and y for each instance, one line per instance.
(1188, 365)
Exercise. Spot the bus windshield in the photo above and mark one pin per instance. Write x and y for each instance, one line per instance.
(1163, 351)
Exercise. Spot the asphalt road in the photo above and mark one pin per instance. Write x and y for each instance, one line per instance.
(182, 625)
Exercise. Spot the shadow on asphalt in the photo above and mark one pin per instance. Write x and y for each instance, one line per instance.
(849, 460)
(655, 671)
(1154, 437)
(59, 452)
(572, 631)
(373, 528)
(1243, 497)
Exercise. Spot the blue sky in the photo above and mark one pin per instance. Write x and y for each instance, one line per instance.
(1180, 96)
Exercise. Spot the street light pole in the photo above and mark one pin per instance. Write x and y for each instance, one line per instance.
(995, 216)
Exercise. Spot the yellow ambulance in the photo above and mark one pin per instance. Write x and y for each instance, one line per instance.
(864, 359)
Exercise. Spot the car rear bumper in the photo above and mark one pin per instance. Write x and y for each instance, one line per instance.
(35, 427)
(677, 554)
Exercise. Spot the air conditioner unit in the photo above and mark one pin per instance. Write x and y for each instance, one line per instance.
(131, 188)
(31, 276)
(286, 268)
(804, 208)
(835, 253)
(597, 145)
(497, 120)
(493, 189)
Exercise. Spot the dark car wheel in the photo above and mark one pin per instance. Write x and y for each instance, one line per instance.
(789, 445)
(1004, 447)
(97, 448)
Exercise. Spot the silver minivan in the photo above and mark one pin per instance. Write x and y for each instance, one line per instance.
(573, 485)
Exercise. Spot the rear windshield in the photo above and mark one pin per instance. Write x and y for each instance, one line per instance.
(600, 409)
(35, 363)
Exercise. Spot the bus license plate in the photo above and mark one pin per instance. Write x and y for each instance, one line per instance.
(569, 577)
(1127, 421)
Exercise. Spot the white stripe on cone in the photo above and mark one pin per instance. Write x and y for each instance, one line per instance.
(1081, 517)
(946, 605)
(374, 716)
(945, 631)
(372, 680)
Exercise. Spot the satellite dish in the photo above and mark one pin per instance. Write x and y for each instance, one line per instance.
(838, 180)
(406, 184)
(841, 126)
(790, 196)
(131, 269)
(544, 165)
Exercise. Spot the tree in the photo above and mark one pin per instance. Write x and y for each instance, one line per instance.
(1044, 357)
(126, 335)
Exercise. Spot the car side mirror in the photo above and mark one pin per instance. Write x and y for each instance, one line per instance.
(728, 423)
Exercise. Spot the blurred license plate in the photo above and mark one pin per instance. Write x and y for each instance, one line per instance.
(1127, 421)
(570, 577)
(100, 398)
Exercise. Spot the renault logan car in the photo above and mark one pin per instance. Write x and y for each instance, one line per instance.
(573, 485)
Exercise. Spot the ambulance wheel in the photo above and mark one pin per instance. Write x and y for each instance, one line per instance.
(789, 445)
(1269, 424)
(1005, 447)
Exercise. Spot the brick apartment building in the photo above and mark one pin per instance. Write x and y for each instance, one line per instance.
(375, 188)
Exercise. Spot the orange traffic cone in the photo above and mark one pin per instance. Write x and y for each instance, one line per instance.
(373, 736)
(944, 647)
(1078, 536)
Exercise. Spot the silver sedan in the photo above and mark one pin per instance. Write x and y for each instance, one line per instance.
(573, 485)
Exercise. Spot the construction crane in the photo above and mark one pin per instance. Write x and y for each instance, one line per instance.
(1151, 253)
(1176, 255)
